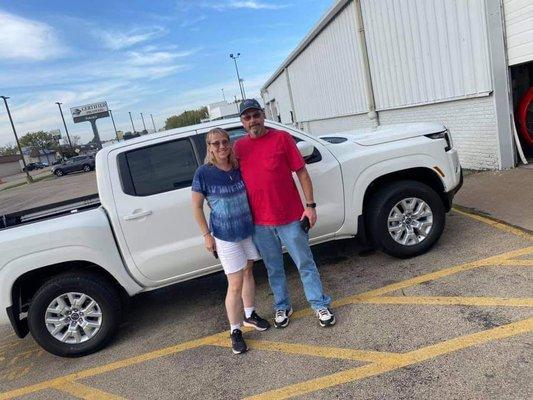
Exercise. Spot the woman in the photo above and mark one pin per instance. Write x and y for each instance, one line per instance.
(229, 234)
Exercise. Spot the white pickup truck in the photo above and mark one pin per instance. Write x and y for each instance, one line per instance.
(66, 270)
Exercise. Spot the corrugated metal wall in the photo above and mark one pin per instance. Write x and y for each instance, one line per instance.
(326, 79)
(424, 51)
(519, 30)
(420, 51)
(279, 92)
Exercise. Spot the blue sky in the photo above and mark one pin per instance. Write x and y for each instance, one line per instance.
(155, 57)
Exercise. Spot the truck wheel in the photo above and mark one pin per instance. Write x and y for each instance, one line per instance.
(74, 315)
(58, 172)
(405, 218)
(86, 168)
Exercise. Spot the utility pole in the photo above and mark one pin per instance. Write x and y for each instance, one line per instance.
(143, 123)
(29, 179)
(241, 87)
(223, 95)
(153, 123)
(114, 126)
(132, 126)
(64, 124)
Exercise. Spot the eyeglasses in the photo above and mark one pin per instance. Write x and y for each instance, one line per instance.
(219, 143)
(255, 115)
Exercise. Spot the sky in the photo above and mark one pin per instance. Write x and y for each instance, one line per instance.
(157, 57)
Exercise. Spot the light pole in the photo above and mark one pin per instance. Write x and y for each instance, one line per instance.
(132, 126)
(241, 86)
(143, 123)
(64, 124)
(153, 123)
(28, 176)
(114, 126)
(223, 95)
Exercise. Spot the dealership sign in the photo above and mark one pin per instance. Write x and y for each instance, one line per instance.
(89, 112)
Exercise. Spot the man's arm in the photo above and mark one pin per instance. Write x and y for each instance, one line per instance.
(307, 187)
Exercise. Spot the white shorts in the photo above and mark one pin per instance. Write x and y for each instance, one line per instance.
(234, 255)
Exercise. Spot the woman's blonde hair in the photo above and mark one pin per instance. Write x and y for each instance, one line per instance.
(210, 157)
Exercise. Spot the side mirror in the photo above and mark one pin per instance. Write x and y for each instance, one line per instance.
(306, 149)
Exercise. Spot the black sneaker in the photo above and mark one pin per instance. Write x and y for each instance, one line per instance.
(237, 342)
(325, 317)
(255, 321)
(281, 319)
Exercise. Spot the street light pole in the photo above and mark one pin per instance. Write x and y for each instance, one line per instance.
(28, 176)
(114, 126)
(143, 122)
(153, 123)
(64, 124)
(235, 57)
(132, 126)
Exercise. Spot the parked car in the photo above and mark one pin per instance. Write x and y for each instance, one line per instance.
(64, 271)
(33, 166)
(78, 163)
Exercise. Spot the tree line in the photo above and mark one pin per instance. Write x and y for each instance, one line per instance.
(39, 141)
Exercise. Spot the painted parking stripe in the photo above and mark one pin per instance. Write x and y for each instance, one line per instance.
(84, 392)
(494, 223)
(451, 301)
(406, 359)
(317, 351)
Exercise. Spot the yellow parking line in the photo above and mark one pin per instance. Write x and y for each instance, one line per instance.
(495, 260)
(112, 366)
(516, 263)
(80, 391)
(495, 224)
(317, 351)
(406, 359)
(449, 301)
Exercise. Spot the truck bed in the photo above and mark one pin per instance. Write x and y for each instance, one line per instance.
(49, 211)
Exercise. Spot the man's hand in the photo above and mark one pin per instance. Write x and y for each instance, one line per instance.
(311, 214)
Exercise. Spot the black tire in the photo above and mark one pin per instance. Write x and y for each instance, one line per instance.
(86, 168)
(382, 203)
(99, 289)
(59, 172)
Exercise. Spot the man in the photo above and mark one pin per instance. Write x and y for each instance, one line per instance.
(267, 159)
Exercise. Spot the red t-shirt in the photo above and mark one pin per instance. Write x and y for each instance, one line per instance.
(267, 163)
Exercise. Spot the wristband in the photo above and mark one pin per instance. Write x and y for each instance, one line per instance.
(311, 205)
(205, 234)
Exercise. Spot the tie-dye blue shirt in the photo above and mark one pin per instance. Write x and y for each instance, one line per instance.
(230, 219)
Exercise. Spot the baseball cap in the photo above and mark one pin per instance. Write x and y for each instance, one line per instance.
(249, 104)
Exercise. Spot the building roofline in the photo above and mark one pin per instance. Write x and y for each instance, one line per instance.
(315, 31)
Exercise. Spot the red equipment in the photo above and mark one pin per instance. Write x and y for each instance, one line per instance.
(525, 117)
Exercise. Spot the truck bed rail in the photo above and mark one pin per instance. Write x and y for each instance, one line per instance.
(49, 211)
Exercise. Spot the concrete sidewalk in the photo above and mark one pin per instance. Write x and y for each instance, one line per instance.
(503, 195)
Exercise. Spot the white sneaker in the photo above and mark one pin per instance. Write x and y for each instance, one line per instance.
(281, 319)
(325, 317)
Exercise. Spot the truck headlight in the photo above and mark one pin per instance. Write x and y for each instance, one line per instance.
(443, 135)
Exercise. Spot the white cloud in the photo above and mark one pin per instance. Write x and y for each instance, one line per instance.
(246, 4)
(117, 40)
(24, 39)
(153, 57)
(193, 21)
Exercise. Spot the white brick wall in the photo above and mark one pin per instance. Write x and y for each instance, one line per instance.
(472, 123)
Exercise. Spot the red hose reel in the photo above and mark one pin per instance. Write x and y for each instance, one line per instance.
(525, 117)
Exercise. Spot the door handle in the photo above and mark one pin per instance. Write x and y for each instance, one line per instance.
(137, 215)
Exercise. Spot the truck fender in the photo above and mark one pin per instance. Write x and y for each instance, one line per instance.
(375, 171)
(19, 266)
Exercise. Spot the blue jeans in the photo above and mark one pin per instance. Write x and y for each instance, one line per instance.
(268, 240)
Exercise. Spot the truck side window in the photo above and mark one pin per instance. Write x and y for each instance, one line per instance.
(199, 140)
(158, 168)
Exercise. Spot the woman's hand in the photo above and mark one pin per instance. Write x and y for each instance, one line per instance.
(209, 242)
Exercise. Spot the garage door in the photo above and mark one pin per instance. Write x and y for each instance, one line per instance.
(519, 30)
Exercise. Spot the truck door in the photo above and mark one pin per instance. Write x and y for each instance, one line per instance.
(325, 173)
(153, 206)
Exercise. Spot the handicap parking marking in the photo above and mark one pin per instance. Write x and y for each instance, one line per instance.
(405, 359)
(379, 362)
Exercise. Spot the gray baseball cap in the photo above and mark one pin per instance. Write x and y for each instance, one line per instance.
(249, 104)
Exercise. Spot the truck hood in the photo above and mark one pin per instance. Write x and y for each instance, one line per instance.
(386, 133)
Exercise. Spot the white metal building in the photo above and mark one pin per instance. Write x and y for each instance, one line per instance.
(370, 62)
